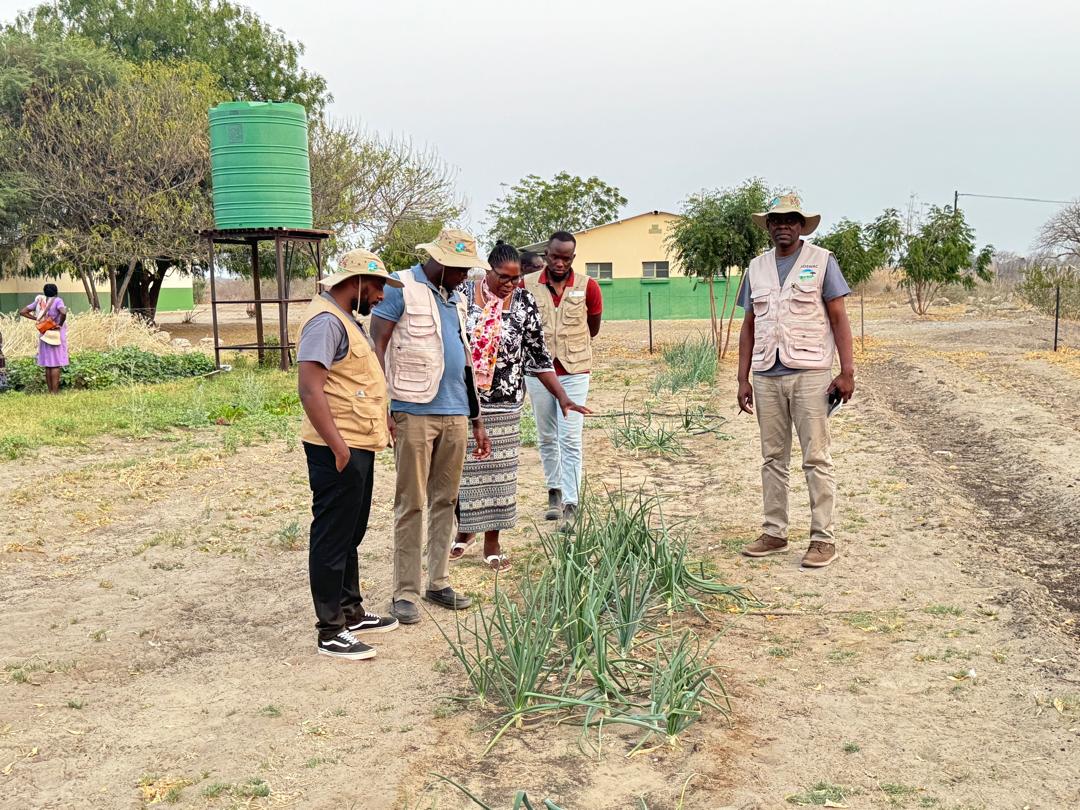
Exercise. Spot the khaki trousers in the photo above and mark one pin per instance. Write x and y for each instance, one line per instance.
(429, 453)
(800, 399)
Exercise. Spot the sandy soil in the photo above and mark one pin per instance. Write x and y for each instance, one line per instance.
(157, 633)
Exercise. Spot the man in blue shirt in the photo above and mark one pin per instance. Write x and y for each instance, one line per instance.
(420, 342)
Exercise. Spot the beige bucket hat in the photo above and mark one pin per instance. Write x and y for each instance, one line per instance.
(454, 248)
(51, 337)
(359, 262)
(788, 204)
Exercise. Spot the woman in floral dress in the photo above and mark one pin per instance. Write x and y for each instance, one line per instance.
(506, 340)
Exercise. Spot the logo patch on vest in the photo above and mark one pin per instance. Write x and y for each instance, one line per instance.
(807, 274)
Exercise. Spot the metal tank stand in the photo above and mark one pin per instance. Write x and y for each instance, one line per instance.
(285, 241)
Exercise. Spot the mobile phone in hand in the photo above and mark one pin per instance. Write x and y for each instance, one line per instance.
(835, 401)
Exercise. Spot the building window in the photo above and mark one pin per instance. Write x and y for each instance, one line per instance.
(598, 270)
(654, 269)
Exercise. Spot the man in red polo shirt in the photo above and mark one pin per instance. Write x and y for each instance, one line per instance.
(570, 306)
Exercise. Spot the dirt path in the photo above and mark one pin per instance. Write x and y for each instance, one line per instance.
(156, 626)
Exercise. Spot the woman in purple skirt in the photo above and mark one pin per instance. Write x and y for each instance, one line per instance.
(52, 343)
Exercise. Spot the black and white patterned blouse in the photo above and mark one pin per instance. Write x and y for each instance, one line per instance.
(521, 351)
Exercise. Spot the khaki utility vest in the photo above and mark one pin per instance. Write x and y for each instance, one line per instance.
(414, 357)
(355, 388)
(566, 326)
(791, 319)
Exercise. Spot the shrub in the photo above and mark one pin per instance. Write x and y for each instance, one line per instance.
(1039, 288)
(96, 370)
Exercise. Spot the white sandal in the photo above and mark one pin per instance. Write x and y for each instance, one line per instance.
(498, 562)
(463, 546)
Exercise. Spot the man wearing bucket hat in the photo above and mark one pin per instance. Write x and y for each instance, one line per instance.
(343, 391)
(420, 339)
(795, 324)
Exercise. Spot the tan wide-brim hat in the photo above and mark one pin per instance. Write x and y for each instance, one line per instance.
(454, 248)
(788, 204)
(51, 337)
(359, 262)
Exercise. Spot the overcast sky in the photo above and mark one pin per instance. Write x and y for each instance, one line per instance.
(858, 105)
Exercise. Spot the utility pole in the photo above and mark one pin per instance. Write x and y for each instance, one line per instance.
(955, 201)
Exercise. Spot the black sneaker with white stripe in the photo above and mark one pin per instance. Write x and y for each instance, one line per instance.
(370, 623)
(346, 645)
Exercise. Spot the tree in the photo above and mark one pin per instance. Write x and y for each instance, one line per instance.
(400, 252)
(116, 178)
(714, 232)
(26, 63)
(399, 183)
(364, 186)
(862, 249)
(1060, 236)
(254, 61)
(940, 253)
(534, 208)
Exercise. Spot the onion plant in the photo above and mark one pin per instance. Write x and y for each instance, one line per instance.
(568, 643)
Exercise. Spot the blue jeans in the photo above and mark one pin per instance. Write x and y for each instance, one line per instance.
(558, 436)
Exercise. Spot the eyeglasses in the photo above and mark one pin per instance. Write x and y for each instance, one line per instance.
(505, 279)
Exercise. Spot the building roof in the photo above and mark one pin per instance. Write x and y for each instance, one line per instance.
(653, 213)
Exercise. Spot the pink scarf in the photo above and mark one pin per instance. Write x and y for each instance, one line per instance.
(486, 336)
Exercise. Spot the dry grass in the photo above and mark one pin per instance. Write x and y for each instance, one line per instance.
(1065, 357)
(87, 330)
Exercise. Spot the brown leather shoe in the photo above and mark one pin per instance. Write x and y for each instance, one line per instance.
(819, 555)
(766, 545)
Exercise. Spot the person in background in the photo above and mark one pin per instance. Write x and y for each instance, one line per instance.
(3, 366)
(420, 340)
(50, 313)
(570, 308)
(531, 263)
(794, 327)
(343, 392)
(507, 342)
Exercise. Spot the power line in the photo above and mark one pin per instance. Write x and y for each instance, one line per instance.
(1021, 199)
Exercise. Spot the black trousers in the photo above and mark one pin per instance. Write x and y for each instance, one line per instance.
(340, 505)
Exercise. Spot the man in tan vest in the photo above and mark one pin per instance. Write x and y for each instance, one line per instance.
(795, 325)
(343, 392)
(420, 340)
(571, 307)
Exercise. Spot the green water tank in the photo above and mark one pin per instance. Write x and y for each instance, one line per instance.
(259, 163)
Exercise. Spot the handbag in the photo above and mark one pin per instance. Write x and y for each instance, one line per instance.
(46, 325)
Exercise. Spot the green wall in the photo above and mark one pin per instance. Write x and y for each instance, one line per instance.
(171, 299)
(626, 299)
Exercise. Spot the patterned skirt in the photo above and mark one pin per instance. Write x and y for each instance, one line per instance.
(488, 497)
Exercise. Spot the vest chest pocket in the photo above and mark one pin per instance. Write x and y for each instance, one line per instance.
(804, 299)
(419, 320)
(573, 309)
(760, 302)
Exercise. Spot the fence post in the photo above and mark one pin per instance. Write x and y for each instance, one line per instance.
(1057, 313)
(650, 323)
